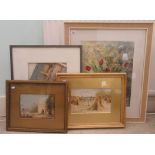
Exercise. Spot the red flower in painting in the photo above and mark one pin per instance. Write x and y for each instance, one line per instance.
(107, 70)
(88, 68)
(126, 65)
(101, 62)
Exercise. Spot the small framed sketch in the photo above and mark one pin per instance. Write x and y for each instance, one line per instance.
(95, 100)
(43, 62)
(37, 106)
(117, 47)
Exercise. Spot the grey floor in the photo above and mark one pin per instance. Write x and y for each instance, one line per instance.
(131, 128)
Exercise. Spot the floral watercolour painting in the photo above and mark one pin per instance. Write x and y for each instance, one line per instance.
(109, 56)
(90, 100)
(45, 71)
(36, 106)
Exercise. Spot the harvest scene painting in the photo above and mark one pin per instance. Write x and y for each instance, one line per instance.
(109, 56)
(37, 106)
(90, 100)
(45, 71)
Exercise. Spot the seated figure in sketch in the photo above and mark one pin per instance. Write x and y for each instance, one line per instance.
(47, 71)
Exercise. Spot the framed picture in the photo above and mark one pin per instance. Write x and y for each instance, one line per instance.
(117, 47)
(95, 100)
(43, 62)
(37, 106)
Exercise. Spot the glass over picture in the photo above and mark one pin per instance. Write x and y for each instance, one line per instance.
(37, 106)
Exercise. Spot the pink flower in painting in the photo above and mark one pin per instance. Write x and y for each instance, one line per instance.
(107, 69)
(101, 62)
(126, 65)
(88, 68)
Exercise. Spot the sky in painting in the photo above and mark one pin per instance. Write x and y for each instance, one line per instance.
(29, 100)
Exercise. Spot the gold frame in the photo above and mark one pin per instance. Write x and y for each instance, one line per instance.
(14, 122)
(139, 26)
(114, 119)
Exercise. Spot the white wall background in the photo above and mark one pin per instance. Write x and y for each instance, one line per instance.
(152, 67)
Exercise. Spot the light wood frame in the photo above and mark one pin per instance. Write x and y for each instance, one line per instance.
(148, 27)
(14, 121)
(115, 81)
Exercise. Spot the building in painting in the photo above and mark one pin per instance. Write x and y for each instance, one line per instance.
(42, 108)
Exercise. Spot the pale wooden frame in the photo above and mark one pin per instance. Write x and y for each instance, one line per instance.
(146, 26)
(122, 76)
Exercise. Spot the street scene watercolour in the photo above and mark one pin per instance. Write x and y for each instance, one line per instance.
(109, 56)
(97, 100)
(37, 106)
(45, 71)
